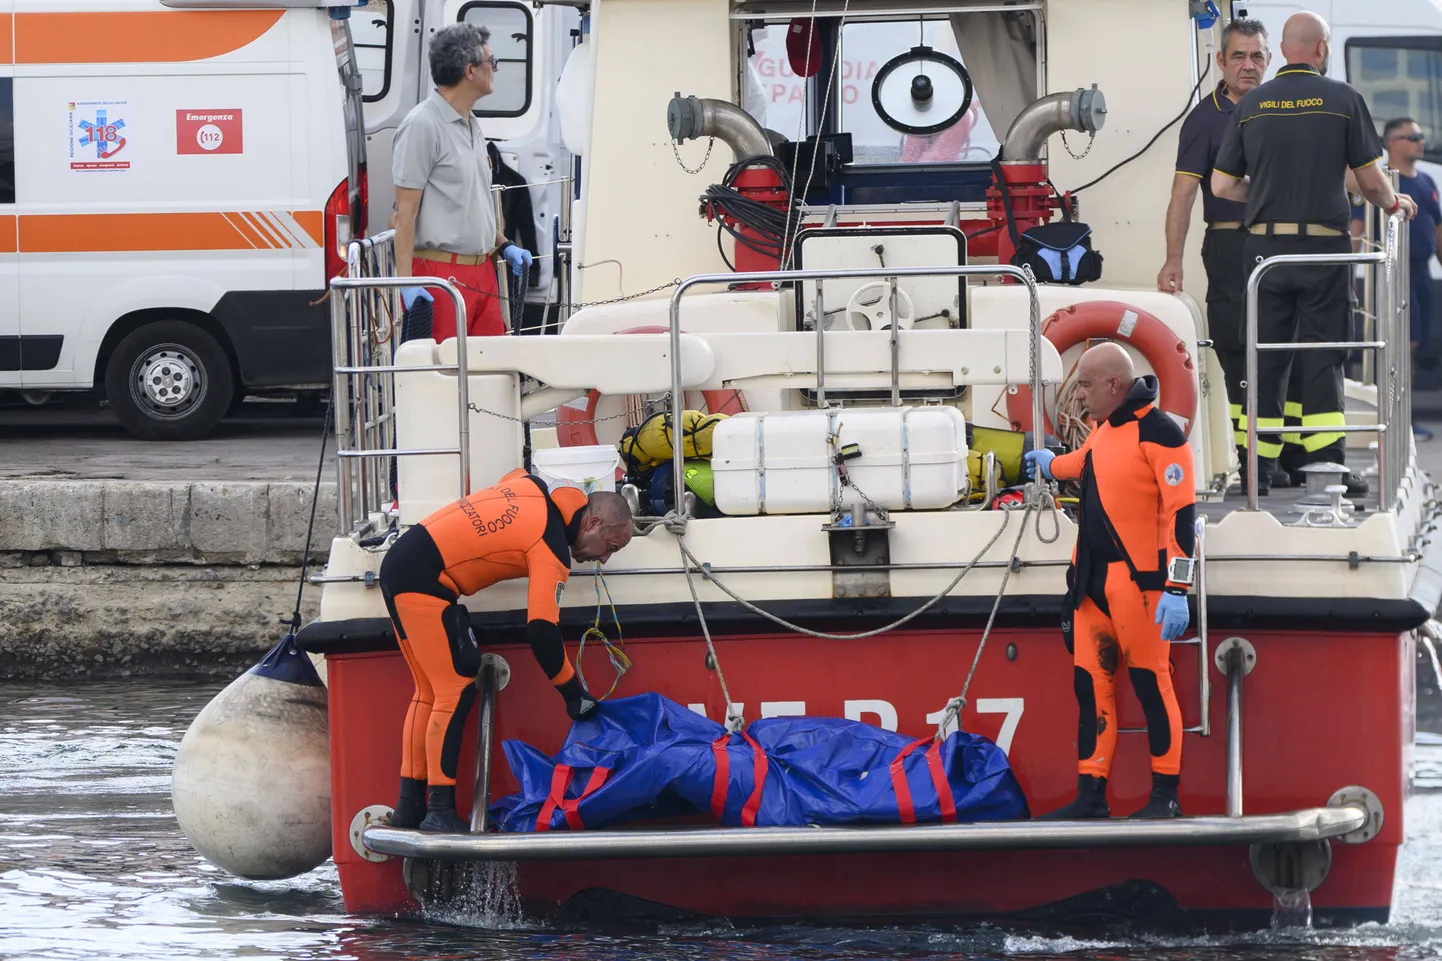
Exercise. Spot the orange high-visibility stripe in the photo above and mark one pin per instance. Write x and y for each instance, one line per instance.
(158, 36)
(261, 226)
(121, 233)
(7, 38)
(246, 231)
(7, 234)
(313, 222)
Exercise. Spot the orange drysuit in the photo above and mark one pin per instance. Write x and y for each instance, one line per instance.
(1137, 513)
(517, 528)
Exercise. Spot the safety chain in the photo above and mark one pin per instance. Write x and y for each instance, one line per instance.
(1075, 156)
(625, 297)
(590, 303)
(524, 420)
(677, 154)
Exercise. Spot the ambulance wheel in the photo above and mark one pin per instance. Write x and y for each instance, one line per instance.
(169, 380)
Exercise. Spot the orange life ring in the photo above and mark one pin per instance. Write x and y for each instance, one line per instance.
(576, 426)
(1113, 320)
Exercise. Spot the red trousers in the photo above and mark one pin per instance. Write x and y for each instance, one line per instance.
(477, 283)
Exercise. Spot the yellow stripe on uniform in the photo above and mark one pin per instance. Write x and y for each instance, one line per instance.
(1268, 445)
(1315, 442)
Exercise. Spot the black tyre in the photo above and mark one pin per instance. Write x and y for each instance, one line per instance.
(169, 380)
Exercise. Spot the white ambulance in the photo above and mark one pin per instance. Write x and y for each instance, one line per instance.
(177, 180)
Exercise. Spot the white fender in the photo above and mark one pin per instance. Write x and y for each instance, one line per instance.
(251, 783)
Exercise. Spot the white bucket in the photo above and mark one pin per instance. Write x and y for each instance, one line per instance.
(587, 469)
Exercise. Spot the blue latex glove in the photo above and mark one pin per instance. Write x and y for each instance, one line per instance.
(409, 295)
(1172, 615)
(1039, 459)
(518, 257)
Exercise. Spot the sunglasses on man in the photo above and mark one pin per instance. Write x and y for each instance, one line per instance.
(1412, 137)
(493, 60)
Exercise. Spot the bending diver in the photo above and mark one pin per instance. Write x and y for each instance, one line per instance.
(517, 528)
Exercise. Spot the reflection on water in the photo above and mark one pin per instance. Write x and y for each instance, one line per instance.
(93, 867)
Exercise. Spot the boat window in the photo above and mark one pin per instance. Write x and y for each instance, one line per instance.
(1401, 77)
(511, 28)
(370, 28)
(998, 53)
(770, 90)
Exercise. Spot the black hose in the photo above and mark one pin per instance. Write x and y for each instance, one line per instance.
(1155, 137)
(770, 227)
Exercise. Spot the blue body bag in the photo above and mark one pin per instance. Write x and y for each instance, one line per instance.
(647, 757)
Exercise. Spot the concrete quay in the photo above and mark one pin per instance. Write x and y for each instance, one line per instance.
(90, 522)
(121, 557)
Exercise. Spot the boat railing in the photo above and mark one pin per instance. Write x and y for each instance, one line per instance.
(365, 332)
(889, 274)
(1385, 315)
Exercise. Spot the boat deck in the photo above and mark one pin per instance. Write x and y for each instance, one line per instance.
(1285, 502)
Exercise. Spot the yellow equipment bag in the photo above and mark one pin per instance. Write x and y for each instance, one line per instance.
(1008, 445)
(651, 443)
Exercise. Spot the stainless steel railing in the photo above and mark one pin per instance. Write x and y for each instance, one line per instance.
(365, 332)
(1389, 376)
(678, 404)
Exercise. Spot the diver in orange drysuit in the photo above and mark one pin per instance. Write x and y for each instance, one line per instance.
(517, 528)
(1130, 572)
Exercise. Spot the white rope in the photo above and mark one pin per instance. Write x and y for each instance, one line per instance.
(956, 705)
(787, 236)
(676, 524)
(679, 530)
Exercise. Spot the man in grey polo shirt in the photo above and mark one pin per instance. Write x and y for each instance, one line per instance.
(445, 216)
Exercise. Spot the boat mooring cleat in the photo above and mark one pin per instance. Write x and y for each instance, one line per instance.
(441, 817)
(1091, 801)
(1163, 803)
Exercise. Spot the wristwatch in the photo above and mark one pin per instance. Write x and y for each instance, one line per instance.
(1181, 570)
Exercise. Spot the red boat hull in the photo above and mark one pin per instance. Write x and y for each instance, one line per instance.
(1321, 712)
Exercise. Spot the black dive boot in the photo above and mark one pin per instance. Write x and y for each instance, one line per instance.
(411, 807)
(441, 814)
(1091, 801)
(1163, 803)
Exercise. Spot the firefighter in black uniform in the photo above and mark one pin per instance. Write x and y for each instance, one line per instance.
(1295, 137)
(1243, 62)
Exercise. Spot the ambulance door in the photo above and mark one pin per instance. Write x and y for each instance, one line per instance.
(385, 37)
(531, 45)
(12, 360)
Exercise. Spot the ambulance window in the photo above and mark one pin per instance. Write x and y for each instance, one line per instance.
(1401, 77)
(370, 28)
(7, 141)
(998, 51)
(510, 25)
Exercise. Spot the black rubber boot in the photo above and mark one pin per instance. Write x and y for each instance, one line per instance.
(1264, 474)
(441, 814)
(1163, 803)
(1356, 486)
(411, 805)
(1091, 801)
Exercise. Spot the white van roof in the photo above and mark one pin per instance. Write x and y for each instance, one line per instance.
(258, 4)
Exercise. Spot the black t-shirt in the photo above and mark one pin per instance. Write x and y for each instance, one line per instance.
(1296, 135)
(1197, 147)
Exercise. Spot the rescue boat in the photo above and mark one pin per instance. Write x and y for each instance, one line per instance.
(873, 278)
